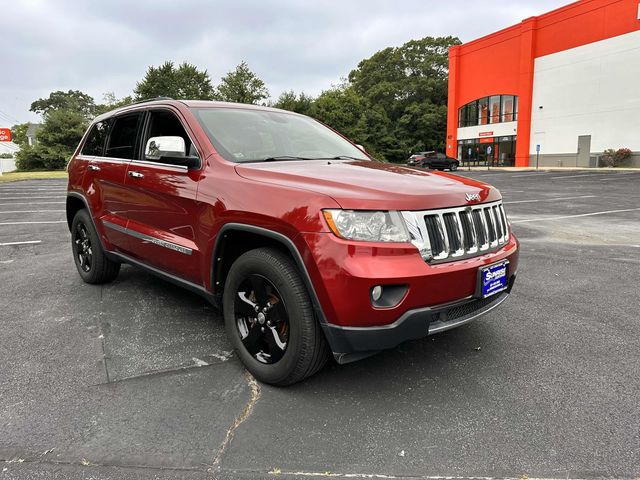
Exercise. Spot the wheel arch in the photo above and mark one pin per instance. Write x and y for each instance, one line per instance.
(234, 239)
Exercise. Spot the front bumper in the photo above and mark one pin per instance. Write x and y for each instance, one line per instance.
(352, 343)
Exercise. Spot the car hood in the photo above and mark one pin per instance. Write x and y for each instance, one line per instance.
(370, 184)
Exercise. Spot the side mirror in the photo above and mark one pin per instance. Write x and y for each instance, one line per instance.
(168, 146)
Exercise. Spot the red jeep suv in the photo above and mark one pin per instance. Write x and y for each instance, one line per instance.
(306, 243)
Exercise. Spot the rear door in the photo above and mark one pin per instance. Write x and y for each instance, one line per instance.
(113, 143)
(161, 205)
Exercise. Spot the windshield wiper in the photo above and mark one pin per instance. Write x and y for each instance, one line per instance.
(343, 157)
(283, 158)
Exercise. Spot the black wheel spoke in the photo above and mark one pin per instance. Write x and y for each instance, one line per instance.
(252, 340)
(259, 285)
(243, 305)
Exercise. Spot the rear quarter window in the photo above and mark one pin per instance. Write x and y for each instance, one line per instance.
(94, 145)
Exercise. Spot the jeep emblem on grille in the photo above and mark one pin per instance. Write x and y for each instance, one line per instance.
(470, 197)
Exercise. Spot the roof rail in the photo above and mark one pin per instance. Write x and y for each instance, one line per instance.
(151, 100)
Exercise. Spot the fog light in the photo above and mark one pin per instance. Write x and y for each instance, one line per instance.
(376, 293)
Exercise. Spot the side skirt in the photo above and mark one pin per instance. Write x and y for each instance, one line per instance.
(199, 289)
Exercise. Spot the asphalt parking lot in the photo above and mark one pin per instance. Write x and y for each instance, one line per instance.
(136, 379)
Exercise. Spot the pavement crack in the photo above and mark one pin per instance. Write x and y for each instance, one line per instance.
(240, 419)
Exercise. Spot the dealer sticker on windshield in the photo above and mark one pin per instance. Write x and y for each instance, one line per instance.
(493, 279)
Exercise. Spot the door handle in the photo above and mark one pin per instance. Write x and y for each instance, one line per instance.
(94, 168)
(135, 174)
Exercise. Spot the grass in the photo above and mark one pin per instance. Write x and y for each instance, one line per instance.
(16, 176)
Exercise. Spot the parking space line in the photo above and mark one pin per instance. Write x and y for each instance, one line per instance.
(528, 174)
(31, 211)
(26, 242)
(25, 198)
(576, 216)
(31, 203)
(32, 223)
(584, 175)
(551, 199)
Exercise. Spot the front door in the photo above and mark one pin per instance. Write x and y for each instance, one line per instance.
(162, 209)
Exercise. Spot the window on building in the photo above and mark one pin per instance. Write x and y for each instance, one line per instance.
(493, 109)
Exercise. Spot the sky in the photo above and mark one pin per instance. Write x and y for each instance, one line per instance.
(106, 46)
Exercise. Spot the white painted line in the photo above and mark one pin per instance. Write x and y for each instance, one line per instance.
(551, 199)
(31, 223)
(25, 198)
(586, 175)
(28, 194)
(30, 211)
(27, 242)
(576, 216)
(527, 174)
(32, 203)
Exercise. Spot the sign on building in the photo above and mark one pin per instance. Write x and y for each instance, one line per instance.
(5, 134)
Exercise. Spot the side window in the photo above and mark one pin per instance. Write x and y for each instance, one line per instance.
(163, 123)
(94, 144)
(122, 141)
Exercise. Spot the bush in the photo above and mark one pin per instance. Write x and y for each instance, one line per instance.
(615, 158)
(28, 158)
(6, 155)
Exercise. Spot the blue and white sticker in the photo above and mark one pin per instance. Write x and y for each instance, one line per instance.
(494, 279)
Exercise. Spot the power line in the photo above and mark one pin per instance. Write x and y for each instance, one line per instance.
(9, 117)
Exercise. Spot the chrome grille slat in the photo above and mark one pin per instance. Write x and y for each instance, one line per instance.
(460, 232)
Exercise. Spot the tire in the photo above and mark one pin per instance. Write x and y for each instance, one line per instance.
(93, 265)
(453, 167)
(306, 349)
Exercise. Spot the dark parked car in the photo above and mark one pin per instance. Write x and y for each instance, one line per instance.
(307, 245)
(433, 160)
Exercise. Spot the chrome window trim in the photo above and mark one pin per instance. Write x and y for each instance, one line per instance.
(148, 238)
(148, 163)
(417, 227)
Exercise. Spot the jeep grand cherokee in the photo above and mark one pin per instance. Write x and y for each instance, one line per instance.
(307, 244)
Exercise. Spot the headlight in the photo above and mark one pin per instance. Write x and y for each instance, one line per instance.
(367, 226)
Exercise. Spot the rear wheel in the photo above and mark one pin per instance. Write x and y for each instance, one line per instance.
(91, 261)
(269, 318)
(454, 166)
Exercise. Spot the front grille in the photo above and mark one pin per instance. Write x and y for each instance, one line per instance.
(465, 309)
(461, 232)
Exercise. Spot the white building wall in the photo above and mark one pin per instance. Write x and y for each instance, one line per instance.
(592, 90)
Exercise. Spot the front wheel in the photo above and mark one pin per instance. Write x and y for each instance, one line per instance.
(269, 318)
(91, 261)
(453, 167)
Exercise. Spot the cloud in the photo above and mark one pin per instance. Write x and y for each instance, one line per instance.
(98, 47)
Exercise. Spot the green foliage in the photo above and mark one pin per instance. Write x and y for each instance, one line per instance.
(73, 100)
(242, 86)
(58, 137)
(6, 155)
(408, 84)
(615, 158)
(294, 103)
(181, 83)
(19, 134)
(111, 102)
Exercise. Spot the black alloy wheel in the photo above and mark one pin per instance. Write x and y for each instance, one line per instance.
(84, 252)
(261, 319)
(91, 261)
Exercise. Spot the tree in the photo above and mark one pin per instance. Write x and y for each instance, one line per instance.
(242, 86)
(184, 82)
(19, 134)
(294, 103)
(111, 102)
(409, 83)
(72, 100)
(58, 137)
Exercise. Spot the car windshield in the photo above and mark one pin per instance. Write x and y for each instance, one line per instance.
(245, 135)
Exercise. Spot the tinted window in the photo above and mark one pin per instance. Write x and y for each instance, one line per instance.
(122, 141)
(96, 138)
